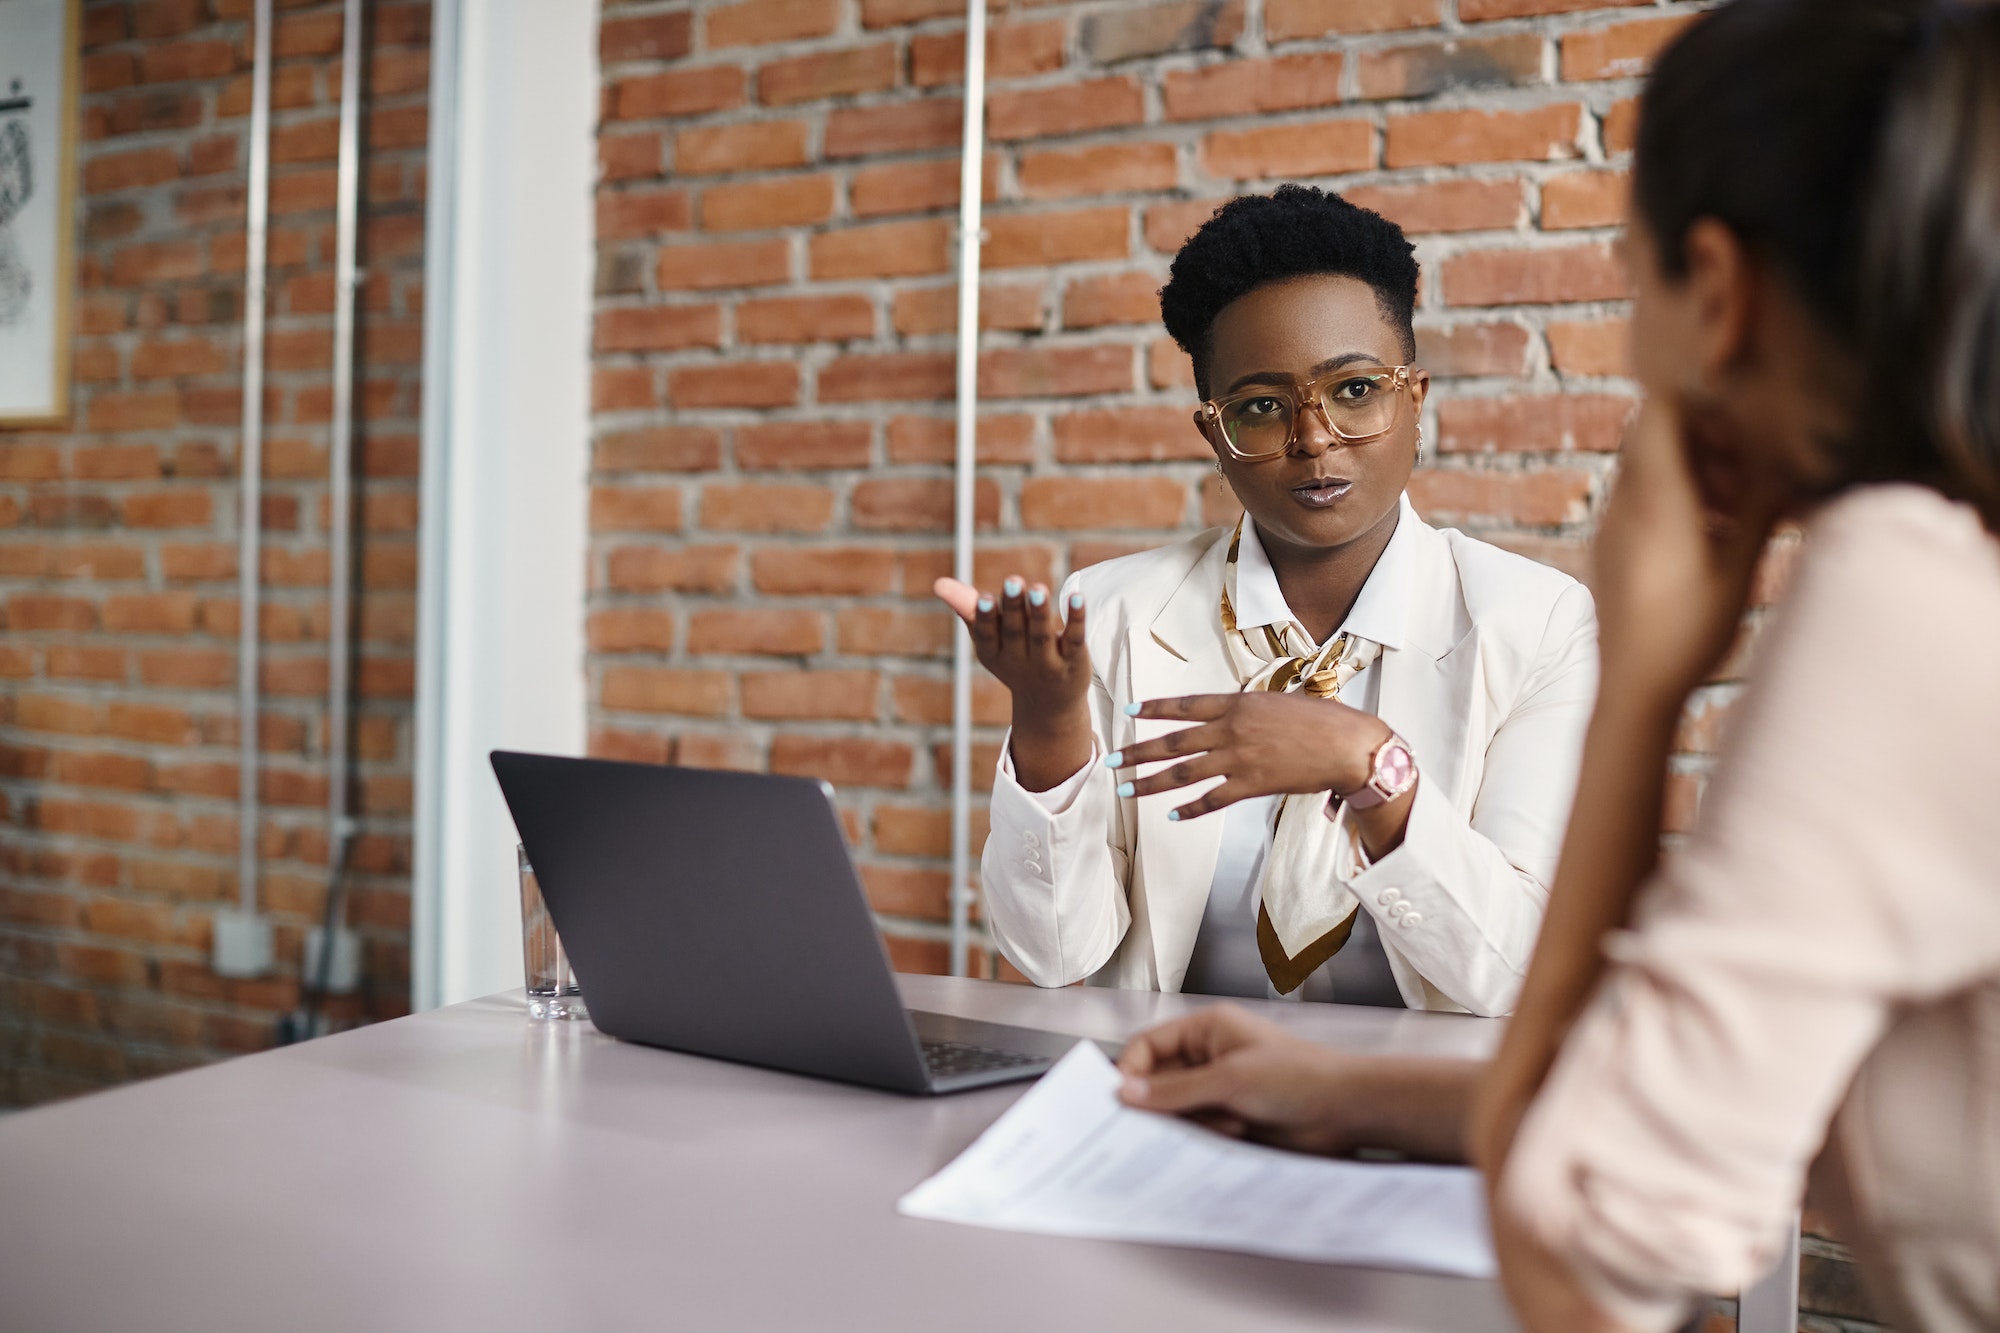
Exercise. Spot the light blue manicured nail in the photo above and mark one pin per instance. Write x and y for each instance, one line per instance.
(1124, 789)
(1012, 587)
(1116, 759)
(1173, 816)
(1038, 596)
(1076, 601)
(986, 604)
(1131, 710)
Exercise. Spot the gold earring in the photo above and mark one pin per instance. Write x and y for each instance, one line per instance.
(1420, 444)
(1217, 465)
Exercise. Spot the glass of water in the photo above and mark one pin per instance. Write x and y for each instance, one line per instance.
(552, 988)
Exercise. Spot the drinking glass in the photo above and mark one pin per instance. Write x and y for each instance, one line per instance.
(552, 988)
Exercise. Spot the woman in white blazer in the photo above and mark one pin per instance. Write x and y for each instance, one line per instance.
(1395, 712)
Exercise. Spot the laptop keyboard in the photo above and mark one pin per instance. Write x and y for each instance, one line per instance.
(947, 1059)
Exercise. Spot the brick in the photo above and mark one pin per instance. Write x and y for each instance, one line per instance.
(168, 509)
(886, 631)
(1473, 349)
(149, 409)
(1620, 50)
(914, 187)
(765, 507)
(918, 504)
(887, 376)
(804, 445)
(686, 569)
(710, 265)
(935, 439)
(29, 462)
(1621, 126)
(1132, 31)
(910, 891)
(1289, 20)
(1252, 87)
(1321, 148)
(1534, 277)
(1451, 205)
(1543, 498)
(1019, 240)
(658, 328)
(629, 156)
(1591, 346)
(31, 611)
(921, 310)
(176, 62)
(1585, 199)
(130, 170)
(805, 319)
(842, 760)
(1424, 69)
(752, 146)
(1013, 51)
(754, 22)
(1117, 298)
(890, 13)
(188, 668)
(896, 127)
(882, 250)
(1478, 11)
(1102, 502)
(740, 630)
(1055, 371)
(632, 747)
(646, 37)
(1108, 169)
(798, 695)
(736, 384)
(678, 92)
(149, 613)
(628, 508)
(106, 71)
(1542, 422)
(158, 261)
(1129, 435)
(863, 69)
(844, 571)
(84, 662)
(1452, 138)
(149, 723)
(638, 214)
(640, 689)
(787, 201)
(927, 700)
(1075, 108)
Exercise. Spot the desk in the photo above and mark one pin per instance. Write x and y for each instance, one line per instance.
(468, 1169)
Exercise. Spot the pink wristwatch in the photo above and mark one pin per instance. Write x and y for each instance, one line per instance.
(1394, 771)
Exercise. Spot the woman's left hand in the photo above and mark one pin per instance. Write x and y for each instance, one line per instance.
(1262, 744)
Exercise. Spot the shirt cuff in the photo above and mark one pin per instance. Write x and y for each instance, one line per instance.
(1057, 799)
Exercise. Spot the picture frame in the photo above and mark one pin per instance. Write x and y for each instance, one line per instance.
(38, 93)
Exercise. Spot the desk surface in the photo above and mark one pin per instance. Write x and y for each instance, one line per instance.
(468, 1169)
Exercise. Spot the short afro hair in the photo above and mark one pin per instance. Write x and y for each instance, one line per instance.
(1296, 231)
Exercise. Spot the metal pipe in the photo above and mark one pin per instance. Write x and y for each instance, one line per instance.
(340, 464)
(971, 179)
(250, 464)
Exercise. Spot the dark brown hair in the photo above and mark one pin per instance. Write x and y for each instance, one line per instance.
(1855, 145)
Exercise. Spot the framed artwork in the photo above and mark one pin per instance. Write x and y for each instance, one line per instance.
(38, 75)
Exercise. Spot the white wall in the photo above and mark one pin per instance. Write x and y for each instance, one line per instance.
(505, 455)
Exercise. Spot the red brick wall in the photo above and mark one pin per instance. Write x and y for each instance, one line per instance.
(773, 365)
(118, 722)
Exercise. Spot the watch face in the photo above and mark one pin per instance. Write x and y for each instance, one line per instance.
(1395, 769)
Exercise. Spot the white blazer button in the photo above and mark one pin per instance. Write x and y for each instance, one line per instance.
(1030, 840)
(1033, 866)
(1389, 896)
(1412, 919)
(1396, 910)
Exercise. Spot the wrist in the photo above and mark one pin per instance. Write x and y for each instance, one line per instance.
(1351, 755)
(1048, 747)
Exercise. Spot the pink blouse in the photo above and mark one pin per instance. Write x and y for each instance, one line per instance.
(1819, 965)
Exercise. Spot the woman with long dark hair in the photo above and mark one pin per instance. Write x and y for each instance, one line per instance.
(1815, 976)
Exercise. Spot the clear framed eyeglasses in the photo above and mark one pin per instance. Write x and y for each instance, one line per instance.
(1359, 404)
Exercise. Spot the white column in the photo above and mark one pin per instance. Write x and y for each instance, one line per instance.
(500, 650)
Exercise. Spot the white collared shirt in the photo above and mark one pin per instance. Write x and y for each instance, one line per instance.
(1226, 960)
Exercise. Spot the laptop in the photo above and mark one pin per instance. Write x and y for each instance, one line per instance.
(719, 914)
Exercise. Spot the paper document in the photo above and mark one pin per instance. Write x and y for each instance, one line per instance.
(1069, 1159)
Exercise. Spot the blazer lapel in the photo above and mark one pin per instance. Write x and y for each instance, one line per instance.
(1180, 652)
(1429, 686)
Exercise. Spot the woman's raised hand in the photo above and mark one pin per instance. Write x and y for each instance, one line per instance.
(1028, 644)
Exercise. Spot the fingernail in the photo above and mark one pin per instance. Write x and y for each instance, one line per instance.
(1076, 601)
(1125, 789)
(1012, 587)
(1133, 1089)
(1173, 816)
(1037, 596)
(1131, 710)
(986, 604)
(1116, 759)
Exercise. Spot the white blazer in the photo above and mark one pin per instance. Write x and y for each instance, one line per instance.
(1492, 688)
